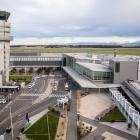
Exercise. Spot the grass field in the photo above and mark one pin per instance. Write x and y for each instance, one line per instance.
(39, 131)
(114, 115)
(23, 78)
(125, 51)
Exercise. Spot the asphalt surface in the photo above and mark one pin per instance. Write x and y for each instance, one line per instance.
(23, 104)
(72, 116)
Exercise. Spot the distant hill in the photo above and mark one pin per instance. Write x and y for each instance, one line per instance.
(86, 45)
(133, 44)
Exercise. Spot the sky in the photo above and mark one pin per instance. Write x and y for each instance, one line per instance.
(88, 20)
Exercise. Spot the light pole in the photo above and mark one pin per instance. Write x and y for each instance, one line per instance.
(11, 123)
(10, 97)
(48, 127)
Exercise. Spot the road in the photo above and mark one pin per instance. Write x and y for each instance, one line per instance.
(23, 104)
(19, 118)
(72, 116)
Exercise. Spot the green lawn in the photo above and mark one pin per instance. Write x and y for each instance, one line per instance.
(39, 131)
(24, 78)
(114, 115)
(125, 51)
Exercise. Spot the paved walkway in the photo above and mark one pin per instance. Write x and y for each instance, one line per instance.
(101, 128)
(72, 120)
(97, 103)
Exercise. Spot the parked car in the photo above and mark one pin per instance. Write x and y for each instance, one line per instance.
(2, 100)
(55, 88)
(31, 85)
(66, 87)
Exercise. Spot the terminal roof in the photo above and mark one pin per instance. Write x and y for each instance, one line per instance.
(95, 67)
(79, 56)
(124, 58)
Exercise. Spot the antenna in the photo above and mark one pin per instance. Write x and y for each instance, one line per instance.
(115, 52)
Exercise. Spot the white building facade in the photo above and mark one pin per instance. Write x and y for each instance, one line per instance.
(4, 47)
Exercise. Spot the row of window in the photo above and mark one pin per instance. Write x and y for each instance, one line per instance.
(94, 75)
(35, 59)
(36, 63)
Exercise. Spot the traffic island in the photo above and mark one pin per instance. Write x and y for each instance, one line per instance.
(45, 128)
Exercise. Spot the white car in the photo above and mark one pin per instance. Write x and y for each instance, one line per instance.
(66, 86)
(43, 76)
(2, 100)
(30, 86)
(55, 88)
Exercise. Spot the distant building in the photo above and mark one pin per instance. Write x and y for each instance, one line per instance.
(4, 47)
(124, 69)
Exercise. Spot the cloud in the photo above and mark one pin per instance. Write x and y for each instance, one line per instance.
(70, 18)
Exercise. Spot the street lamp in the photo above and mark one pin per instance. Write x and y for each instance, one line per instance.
(11, 123)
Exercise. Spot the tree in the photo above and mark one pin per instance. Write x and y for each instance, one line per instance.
(129, 125)
(39, 71)
(14, 70)
(21, 71)
(47, 70)
(31, 70)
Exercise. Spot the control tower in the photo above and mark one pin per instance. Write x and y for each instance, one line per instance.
(4, 47)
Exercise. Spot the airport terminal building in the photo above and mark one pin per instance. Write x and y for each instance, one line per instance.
(95, 69)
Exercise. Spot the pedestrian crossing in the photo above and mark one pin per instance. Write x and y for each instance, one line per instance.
(50, 96)
(31, 94)
(57, 96)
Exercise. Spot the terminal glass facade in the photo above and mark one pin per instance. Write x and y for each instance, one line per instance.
(94, 75)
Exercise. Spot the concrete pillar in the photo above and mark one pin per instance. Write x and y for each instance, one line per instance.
(99, 90)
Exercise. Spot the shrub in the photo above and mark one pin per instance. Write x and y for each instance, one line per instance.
(90, 128)
(49, 108)
(129, 125)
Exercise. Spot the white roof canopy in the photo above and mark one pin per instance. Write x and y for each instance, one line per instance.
(84, 82)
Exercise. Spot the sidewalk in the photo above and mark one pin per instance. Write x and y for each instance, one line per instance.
(72, 119)
(121, 126)
(102, 128)
(62, 127)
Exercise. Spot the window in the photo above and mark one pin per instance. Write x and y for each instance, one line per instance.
(117, 67)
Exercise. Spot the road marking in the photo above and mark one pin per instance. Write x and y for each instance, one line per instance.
(19, 115)
(23, 99)
(57, 96)
(33, 94)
